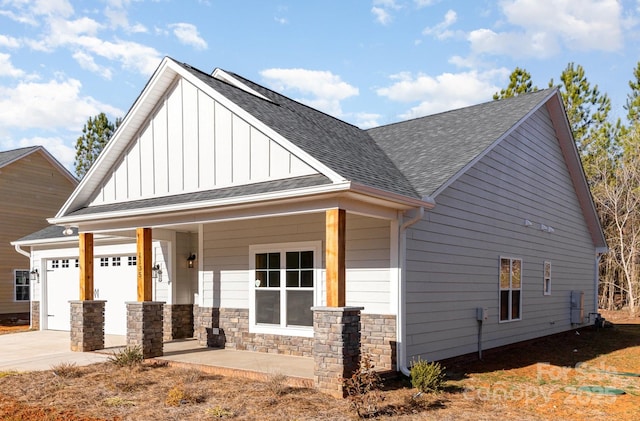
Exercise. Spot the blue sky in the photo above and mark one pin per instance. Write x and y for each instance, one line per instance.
(368, 62)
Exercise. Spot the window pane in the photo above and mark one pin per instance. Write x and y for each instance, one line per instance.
(306, 278)
(274, 279)
(274, 260)
(22, 293)
(504, 273)
(268, 307)
(261, 278)
(261, 261)
(293, 260)
(299, 305)
(516, 268)
(504, 305)
(22, 277)
(306, 260)
(293, 278)
(515, 304)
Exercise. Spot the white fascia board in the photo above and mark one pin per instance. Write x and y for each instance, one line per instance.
(425, 202)
(226, 77)
(161, 79)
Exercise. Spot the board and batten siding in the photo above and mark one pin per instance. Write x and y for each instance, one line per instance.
(453, 254)
(225, 274)
(32, 189)
(193, 143)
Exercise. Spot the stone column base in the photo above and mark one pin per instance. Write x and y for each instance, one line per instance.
(144, 327)
(35, 315)
(87, 325)
(336, 348)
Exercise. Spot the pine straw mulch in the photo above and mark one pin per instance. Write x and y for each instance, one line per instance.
(537, 380)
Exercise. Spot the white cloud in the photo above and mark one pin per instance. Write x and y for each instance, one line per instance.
(87, 62)
(322, 89)
(543, 27)
(53, 8)
(443, 92)
(9, 42)
(381, 15)
(7, 68)
(118, 17)
(424, 3)
(188, 34)
(367, 120)
(49, 106)
(441, 30)
(281, 21)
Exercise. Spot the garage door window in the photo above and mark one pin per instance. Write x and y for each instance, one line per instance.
(21, 282)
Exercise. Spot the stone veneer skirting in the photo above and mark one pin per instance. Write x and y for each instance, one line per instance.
(229, 328)
(144, 327)
(87, 325)
(178, 321)
(35, 315)
(378, 340)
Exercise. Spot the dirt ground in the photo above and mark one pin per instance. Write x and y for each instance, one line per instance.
(538, 380)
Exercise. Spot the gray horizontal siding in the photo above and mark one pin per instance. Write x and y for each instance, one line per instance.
(453, 253)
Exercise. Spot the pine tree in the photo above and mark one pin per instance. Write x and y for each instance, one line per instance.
(519, 83)
(95, 135)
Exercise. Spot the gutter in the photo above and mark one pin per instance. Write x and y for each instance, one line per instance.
(402, 300)
(22, 252)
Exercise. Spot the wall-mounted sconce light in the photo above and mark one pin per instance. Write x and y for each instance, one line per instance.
(156, 272)
(34, 275)
(527, 223)
(67, 231)
(190, 260)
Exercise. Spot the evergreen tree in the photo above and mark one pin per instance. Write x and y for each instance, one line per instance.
(519, 83)
(95, 135)
(633, 98)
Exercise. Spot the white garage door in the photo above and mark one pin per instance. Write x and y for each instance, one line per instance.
(114, 281)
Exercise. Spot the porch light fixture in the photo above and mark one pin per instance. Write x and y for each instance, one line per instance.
(190, 260)
(156, 272)
(34, 275)
(67, 231)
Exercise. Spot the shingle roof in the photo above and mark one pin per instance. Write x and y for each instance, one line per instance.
(10, 156)
(50, 232)
(430, 150)
(346, 149)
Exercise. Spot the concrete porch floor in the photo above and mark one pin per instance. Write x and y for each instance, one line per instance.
(40, 350)
(228, 362)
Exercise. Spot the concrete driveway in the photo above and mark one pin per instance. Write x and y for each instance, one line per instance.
(42, 349)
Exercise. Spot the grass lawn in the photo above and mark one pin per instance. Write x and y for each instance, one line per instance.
(537, 380)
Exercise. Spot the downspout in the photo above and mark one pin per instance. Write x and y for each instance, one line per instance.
(596, 281)
(22, 252)
(402, 301)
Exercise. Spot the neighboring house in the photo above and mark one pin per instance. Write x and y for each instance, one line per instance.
(304, 230)
(33, 186)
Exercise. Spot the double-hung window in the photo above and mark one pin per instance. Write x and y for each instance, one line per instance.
(283, 280)
(510, 289)
(21, 284)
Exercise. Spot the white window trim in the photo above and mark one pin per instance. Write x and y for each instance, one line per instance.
(15, 286)
(509, 320)
(316, 247)
(546, 281)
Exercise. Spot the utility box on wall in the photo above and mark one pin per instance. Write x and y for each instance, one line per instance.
(577, 307)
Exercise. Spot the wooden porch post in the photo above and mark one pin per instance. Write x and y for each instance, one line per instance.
(143, 243)
(86, 265)
(335, 257)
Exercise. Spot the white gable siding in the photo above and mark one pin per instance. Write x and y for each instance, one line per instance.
(453, 254)
(192, 142)
(226, 254)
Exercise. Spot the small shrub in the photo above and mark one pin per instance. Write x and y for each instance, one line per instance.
(66, 370)
(363, 389)
(178, 395)
(127, 357)
(219, 412)
(427, 376)
(117, 401)
(276, 383)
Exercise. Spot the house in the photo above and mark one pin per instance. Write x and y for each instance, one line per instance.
(33, 186)
(253, 222)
